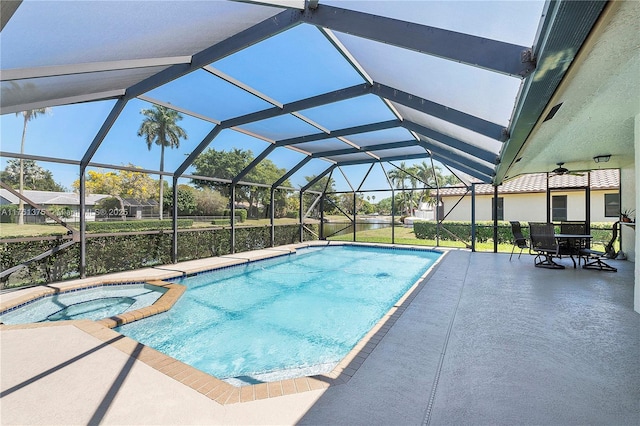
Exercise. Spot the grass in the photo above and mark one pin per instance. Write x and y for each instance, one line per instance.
(11, 230)
(406, 236)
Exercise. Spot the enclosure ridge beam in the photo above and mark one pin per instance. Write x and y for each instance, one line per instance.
(475, 151)
(247, 88)
(89, 67)
(472, 172)
(341, 132)
(493, 55)
(88, 97)
(443, 112)
(241, 85)
(314, 101)
(385, 159)
(482, 168)
(370, 148)
(463, 168)
(265, 29)
(177, 108)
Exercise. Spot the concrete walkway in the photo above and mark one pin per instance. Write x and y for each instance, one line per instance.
(486, 341)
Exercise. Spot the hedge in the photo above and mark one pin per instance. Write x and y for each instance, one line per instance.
(60, 266)
(484, 231)
(136, 225)
(106, 254)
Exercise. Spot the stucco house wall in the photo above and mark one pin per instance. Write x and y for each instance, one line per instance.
(529, 207)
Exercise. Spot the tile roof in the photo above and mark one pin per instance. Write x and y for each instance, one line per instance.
(52, 198)
(600, 179)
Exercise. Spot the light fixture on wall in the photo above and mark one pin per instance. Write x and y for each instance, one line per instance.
(602, 158)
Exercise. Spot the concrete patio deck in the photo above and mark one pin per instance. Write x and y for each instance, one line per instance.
(485, 341)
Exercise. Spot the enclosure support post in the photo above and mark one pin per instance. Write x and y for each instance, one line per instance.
(301, 215)
(354, 216)
(174, 222)
(272, 213)
(473, 217)
(233, 219)
(321, 227)
(548, 200)
(393, 216)
(83, 223)
(587, 200)
(495, 218)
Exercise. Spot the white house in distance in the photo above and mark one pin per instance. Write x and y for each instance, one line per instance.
(47, 199)
(524, 198)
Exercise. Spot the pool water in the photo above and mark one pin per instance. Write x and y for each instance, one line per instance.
(299, 313)
(91, 303)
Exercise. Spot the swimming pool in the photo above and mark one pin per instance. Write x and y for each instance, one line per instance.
(294, 315)
(86, 303)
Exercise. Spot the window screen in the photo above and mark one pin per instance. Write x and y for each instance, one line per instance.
(559, 208)
(612, 205)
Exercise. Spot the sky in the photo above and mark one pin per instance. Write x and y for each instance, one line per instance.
(293, 65)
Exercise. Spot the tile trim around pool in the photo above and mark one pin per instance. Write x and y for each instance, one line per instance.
(219, 390)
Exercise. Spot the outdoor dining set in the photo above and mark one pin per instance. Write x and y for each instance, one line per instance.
(573, 241)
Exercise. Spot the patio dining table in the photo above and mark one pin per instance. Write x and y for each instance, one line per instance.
(572, 244)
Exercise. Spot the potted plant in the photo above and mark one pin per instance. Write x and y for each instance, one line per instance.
(625, 215)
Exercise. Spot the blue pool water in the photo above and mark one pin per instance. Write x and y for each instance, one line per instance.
(300, 313)
(92, 303)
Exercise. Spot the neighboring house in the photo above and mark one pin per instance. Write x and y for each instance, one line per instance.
(524, 198)
(138, 208)
(57, 201)
(51, 201)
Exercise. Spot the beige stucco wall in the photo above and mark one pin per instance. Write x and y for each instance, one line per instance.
(530, 207)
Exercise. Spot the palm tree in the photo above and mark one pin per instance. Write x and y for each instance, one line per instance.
(159, 127)
(27, 116)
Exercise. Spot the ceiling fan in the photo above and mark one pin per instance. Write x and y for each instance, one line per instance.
(561, 170)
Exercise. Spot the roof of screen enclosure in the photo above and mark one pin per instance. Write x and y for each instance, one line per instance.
(337, 82)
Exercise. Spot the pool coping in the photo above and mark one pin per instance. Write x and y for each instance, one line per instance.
(206, 384)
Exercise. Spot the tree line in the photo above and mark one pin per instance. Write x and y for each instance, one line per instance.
(206, 197)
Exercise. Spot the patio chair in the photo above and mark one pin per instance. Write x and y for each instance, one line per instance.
(572, 247)
(518, 239)
(544, 243)
(593, 259)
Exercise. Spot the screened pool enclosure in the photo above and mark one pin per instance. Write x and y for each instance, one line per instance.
(287, 108)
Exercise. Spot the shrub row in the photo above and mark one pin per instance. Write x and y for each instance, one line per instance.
(136, 225)
(484, 231)
(57, 267)
(126, 252)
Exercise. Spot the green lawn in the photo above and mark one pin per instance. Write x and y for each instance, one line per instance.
(10, 230)
(406, 236)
